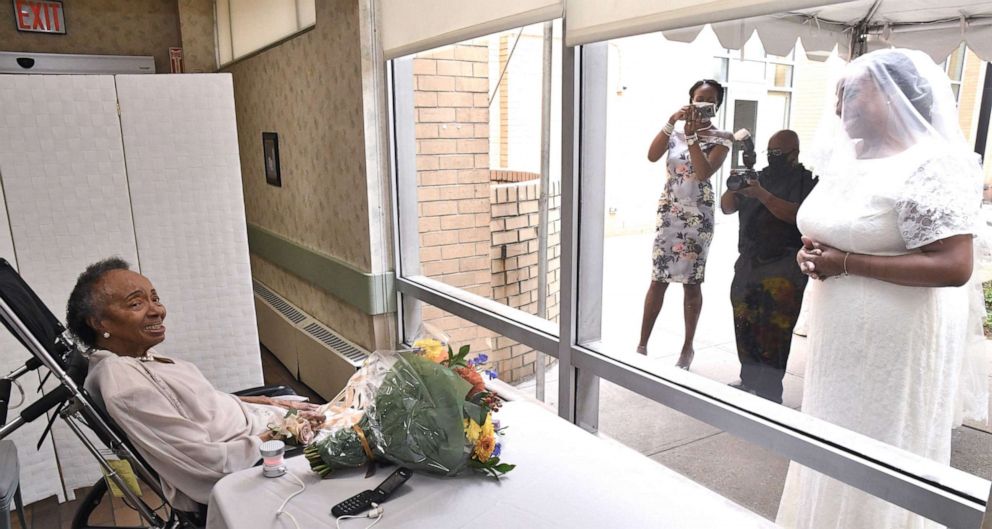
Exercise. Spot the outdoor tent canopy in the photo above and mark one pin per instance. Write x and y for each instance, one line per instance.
(935, 28)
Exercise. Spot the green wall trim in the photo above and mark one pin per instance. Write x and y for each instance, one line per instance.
(372, 293)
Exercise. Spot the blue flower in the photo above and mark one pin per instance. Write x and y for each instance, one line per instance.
(497, 450)
(490, 373)
(482, 358)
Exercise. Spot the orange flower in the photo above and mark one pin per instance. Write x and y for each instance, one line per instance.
(484, 448)
(472, 377)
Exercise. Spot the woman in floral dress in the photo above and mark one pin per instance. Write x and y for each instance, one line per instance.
(685, 210)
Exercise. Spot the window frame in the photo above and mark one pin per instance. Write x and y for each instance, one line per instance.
(222, 18)
(954, 498)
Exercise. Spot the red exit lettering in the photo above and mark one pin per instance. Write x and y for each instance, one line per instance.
(39, 16)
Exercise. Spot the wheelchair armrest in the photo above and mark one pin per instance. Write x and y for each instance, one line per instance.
(265, 391)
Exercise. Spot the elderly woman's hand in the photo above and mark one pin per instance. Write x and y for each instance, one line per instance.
(281, 403)
(820, 261)
(315, 418)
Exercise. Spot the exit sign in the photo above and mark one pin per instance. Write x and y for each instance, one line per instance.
(39, 16)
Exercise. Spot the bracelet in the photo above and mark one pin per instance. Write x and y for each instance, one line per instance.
(846, 255)
(691, 140)
(669, 128)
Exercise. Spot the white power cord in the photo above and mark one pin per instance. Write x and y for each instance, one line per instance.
(303, 487)
(375, 512)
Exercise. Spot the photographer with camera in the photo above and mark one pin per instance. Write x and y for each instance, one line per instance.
(685, 209)
(767, 290)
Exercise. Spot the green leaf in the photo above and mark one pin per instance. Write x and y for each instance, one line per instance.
(291, 412)
(463, 350)
(505, 467)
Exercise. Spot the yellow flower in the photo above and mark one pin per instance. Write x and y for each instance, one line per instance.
(484, 448)
(487, 427)
(433, 350)
(472, 431)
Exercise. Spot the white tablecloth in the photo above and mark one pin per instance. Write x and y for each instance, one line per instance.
(565, 477)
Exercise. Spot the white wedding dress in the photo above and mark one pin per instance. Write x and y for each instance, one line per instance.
(884, 360)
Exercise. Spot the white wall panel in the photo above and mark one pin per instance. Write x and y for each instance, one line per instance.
(38, 468)
(184, 171)
(66, 194)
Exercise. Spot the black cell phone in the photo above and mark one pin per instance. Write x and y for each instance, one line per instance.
(363, 501)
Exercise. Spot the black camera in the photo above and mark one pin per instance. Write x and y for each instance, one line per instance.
(705, 110)
(741, 178)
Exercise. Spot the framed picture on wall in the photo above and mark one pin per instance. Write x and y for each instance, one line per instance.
(270, 155)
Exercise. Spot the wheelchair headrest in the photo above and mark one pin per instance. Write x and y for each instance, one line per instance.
(32, 312)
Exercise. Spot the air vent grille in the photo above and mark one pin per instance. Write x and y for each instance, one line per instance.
(336, 343)
(287, 310)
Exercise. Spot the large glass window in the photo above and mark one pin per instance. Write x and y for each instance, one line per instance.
(764, 94)
(479, 202)
(486, 169)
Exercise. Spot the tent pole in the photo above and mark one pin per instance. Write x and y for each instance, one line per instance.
(859, 33)
(984, 113)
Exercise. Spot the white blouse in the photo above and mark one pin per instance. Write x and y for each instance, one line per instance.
(188, 431)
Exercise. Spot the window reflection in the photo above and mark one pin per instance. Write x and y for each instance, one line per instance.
(764, 94)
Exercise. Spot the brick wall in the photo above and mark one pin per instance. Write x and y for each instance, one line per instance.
(467, 216)
(514, 264)
(505, 175)
(451, 99)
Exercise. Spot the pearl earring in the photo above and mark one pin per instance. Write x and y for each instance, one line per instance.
(106, 335)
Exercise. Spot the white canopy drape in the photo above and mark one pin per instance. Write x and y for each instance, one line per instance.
(936, 28)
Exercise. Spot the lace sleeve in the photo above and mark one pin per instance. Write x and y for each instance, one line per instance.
(939, 200)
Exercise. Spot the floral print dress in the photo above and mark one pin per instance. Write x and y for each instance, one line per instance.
(685, 214)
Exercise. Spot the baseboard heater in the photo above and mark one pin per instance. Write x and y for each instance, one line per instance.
(317, 356)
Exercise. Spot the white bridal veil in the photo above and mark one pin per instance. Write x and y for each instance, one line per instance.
(894, 100)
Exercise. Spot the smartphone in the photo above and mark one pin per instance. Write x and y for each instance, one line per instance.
(363, 501)
(705, 110)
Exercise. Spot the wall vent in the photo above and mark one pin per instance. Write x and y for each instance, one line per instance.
(337, 343)
(290, 312)
(317, 356)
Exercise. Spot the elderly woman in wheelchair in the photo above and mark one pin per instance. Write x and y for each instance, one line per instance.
(188, 431)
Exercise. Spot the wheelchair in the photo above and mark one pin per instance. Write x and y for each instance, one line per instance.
(52, 348)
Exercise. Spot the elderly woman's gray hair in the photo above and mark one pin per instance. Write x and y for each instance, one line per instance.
(85, 302)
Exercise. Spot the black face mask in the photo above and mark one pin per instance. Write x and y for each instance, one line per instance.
(778, 162)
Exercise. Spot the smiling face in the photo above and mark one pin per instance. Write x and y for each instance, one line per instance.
(131, 312)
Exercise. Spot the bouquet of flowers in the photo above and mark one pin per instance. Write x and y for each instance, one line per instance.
(426, 409)
(296, 427)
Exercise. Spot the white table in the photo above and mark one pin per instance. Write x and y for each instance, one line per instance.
(565, 477)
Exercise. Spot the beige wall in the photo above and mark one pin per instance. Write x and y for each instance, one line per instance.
(196, 25)
(309, 91)
(103, 27)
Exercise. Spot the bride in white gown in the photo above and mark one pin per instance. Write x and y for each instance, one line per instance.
(888, 233)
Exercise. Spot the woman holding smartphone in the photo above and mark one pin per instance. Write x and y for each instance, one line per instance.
(686, 208)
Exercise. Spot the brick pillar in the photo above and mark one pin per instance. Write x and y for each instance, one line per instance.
(451, 99)
(515, 221)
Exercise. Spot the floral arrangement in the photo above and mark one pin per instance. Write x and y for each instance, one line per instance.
(426, 408)
(296, 428)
